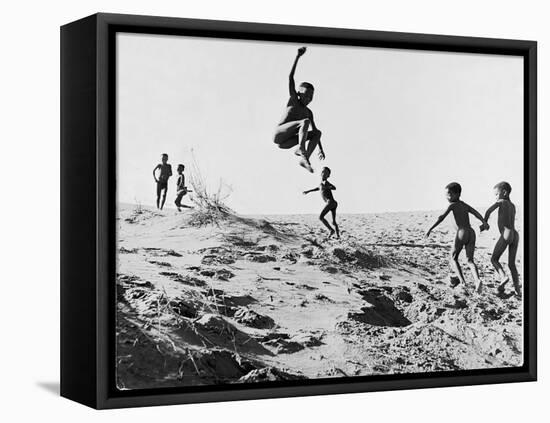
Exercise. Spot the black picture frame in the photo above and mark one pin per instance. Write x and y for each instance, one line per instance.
(88, 208)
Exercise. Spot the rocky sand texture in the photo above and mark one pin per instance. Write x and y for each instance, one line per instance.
(251, 299)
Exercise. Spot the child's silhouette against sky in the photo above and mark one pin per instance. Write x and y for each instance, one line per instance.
(297, 127)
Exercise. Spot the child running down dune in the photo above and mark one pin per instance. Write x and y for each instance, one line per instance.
(465, 235)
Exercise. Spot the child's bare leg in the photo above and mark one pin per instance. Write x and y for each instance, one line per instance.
(455, 252)
(500, 247)
(294, 133)
(158, 195)
(327, 225)
(287, 134)
(333, 211)
(303, 136)
(512, 251)
(313, 137)
(178, 201)
(473, 268)
(322, 219)
(163, 199)
(470, 248)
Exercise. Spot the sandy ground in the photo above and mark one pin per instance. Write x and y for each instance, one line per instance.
(269, 298)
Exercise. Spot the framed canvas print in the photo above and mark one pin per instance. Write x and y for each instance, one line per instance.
(257, 211)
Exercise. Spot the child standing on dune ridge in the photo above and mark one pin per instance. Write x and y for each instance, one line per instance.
(165, 171)
(294, 128)
(509, 237)
(465, 235)
(326, 189)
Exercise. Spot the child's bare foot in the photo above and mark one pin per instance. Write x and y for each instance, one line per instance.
(479, 288)
(300, 152)
(454, 281)
(462, 289)
(517, 290)
(306, 165)
(331, 234)
(502, 286)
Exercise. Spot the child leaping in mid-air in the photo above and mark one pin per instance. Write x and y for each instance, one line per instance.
(326, 189)
(162, 180)
(509, 237)
(465, 235)
(181, 189)
(297, 127)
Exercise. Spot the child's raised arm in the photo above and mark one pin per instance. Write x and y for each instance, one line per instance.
(291, 84)
(311, 190)
(438, 221)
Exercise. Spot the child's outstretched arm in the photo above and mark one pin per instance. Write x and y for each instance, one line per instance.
(438, 221)
(311, 190)
(484, 224)
(291, 84)
(476, 214)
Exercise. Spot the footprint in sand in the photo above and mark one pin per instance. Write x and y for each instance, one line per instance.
(281, 343)
(160, 263)
(187, 280)
(252, 319)
(221, 274)
(123, 250)
(306, 287)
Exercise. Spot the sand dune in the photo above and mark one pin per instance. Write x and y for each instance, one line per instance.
(269, 298)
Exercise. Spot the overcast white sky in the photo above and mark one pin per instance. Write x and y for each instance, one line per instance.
(398, 125)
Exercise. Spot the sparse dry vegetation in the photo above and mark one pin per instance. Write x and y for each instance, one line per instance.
(136, 212)
(210, 205)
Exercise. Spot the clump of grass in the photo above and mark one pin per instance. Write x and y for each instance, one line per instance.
(138, 208)
(136, 212)
(210, 205)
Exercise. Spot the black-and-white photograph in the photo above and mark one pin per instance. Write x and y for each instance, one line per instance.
(308, 211)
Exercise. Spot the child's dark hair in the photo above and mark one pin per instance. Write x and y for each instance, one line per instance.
(326, 169)
(504, 186)
(307, 85)
(180, 166)
(164, 155)
(454, 188)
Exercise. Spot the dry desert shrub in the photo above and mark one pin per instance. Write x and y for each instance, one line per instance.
(210, 204)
